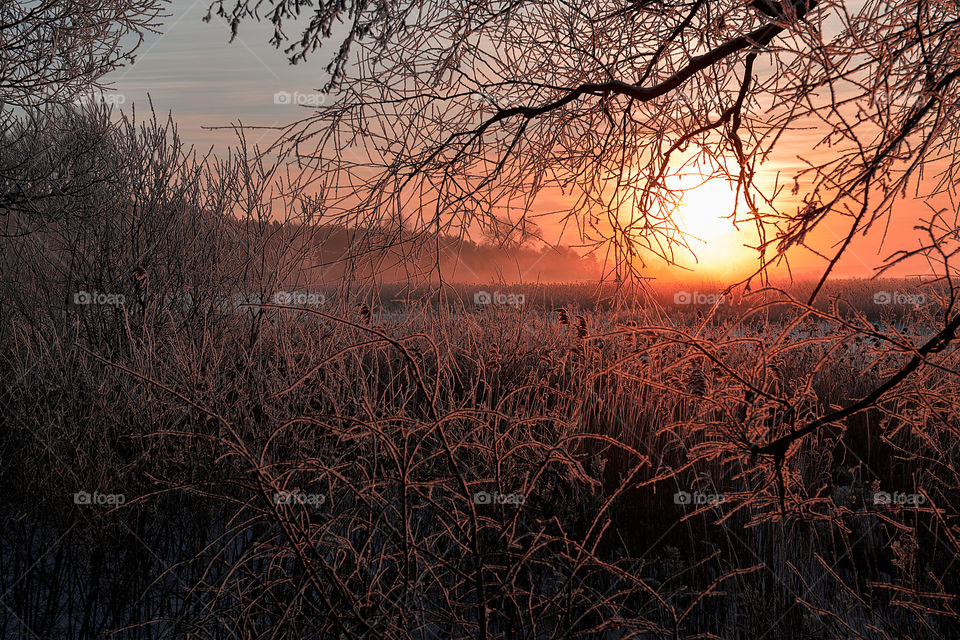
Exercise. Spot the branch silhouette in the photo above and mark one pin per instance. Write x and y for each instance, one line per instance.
(778, 448)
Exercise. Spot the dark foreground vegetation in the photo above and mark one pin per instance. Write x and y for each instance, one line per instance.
(388, 465)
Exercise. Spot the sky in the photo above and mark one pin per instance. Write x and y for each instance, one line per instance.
(191, 70)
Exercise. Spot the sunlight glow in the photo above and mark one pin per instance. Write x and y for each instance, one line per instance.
(700, 237)
(705, 209)
(703, 214)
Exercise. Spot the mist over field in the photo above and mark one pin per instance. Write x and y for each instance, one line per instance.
(567, 320)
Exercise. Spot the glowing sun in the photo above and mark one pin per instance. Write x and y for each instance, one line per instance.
(704, 210)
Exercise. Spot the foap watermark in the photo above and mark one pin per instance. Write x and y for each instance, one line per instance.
(485, 497)
(896, 297)
(494, 100)
(299, 298)
(900, 499)
(97, 297)
(99, 499)
(685, 497)
(100, 98)
(686, 297)
(298, 497)
(895, 98)
(485, 297)
(300, 99)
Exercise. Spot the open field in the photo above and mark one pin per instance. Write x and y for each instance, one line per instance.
(444, 320)
(538, 473)
(204, 438)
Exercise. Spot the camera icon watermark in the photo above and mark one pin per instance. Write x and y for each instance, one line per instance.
(686, 497)
(512, 299)
(99, 499)
(686, 297)
(484, 497)
(299, 99)
(901, 499)
(896, 297)
(95, 297)
(299, 498)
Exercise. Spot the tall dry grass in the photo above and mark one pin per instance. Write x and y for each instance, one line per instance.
(406, 432)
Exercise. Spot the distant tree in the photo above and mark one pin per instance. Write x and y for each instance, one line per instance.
(459, 116)
(457, 119)
(451, 117)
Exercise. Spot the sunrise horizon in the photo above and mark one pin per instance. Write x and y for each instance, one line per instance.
(499, 320)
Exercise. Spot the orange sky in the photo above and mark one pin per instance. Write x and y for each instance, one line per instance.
(238, 83)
